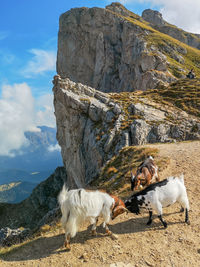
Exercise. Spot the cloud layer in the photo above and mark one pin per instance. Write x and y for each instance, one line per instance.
(41, 62)
(20, 112)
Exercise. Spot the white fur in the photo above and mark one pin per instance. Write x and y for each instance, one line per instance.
(78, 205)
(166, 195)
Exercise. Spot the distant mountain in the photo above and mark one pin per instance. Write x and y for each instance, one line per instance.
(34, 162)
(15, 192)
(46, 137)
(15, 175)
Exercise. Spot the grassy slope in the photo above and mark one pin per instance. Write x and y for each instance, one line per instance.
(115, 176)
(161, 41)
(184, 94)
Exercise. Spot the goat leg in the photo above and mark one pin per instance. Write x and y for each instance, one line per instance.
(67, 242)
(186, 216)
(113, 236)
(150, 218)
(94, 226)
(162, 221)
(108, 232)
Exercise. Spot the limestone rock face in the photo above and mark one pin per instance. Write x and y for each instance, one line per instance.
(87, 122)
(153, 16)
(116, 7)
(91, 127)
(100, 48)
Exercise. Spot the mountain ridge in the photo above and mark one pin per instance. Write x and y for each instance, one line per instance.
(115, 50)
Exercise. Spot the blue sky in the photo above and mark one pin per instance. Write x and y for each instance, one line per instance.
(28, 47)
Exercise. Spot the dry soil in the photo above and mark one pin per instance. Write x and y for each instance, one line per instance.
(137, 244)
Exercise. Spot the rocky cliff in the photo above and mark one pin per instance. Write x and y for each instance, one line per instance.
(102, 49)
(93, 126)
(114, 50)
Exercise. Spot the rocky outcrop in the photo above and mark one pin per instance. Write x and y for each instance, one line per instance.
(9, 237)
(155, 18)
(103, 49)
(93, 126)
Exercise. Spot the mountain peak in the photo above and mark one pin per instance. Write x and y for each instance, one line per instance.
(118, 8)
(153, 16)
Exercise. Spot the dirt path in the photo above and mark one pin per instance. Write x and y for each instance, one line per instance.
(137, 244)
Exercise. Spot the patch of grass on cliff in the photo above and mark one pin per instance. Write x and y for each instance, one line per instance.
(162, 40)
(184, 94)
(191, 58)
(124, 99)
(115, 176)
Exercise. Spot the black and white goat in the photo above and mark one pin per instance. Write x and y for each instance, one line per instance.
(159, 195)
(79, 204)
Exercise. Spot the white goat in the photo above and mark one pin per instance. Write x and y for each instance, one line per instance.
(159, 195)
(79, 204)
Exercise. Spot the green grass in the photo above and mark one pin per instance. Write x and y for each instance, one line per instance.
(184, 94)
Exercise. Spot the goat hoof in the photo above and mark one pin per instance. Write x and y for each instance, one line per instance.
(108, 232)
(165, 224)
(114, 237)
(93, 233)
(67, 246)
(182, 209)
(149, 222)
(188, 222)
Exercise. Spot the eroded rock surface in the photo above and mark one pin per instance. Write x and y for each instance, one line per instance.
(102, 49)
(93, 126)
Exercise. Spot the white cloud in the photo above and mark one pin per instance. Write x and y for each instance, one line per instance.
(182, 13)
(41, 62)
(18, 113)
(16, 116)
(45, 114)
(52, 148)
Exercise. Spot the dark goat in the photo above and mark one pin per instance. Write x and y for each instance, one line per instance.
(146, 173)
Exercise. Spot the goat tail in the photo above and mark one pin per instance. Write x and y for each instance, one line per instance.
(63, 195)
(68, 220)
